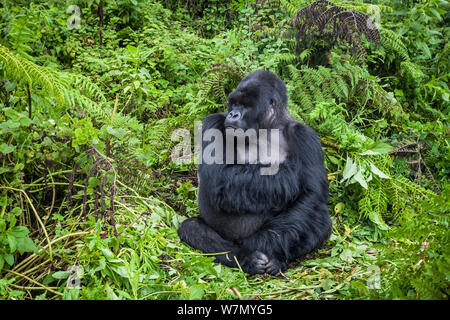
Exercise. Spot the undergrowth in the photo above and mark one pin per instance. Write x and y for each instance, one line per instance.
(89, 196)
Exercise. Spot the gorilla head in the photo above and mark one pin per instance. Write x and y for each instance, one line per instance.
(259, 102)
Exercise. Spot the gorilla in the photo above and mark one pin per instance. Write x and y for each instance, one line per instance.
(261, 222)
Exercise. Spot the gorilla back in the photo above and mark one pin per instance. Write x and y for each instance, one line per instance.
(258, 221)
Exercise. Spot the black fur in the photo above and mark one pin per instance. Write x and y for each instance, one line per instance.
(262, 221)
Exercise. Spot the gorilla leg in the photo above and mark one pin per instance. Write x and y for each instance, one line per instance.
(199, 235)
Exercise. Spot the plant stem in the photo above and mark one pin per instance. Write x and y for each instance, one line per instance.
(29, 99)
(37, 218)
(33, 281)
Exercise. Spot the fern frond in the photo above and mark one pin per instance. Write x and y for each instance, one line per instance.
(292, 6)
(411, 72)
(342, 83)
(85, 86)
(220, 79)
(75, 91)
(365, 7)
(395, 43)
(412, 188)
(286, 58)
(324, 18)
(19, 70)
(373, 204)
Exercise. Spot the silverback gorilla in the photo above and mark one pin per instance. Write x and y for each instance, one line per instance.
(261, 222)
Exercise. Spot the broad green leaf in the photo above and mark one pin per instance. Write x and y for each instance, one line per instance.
(378, 172)
(94, 182)
(334, 160)
(327, 284)
(118, 133)
(60, 275)
(359, 177)
(122, 271)
(132, 49)
(25, 245)
(108, 253)
(196, 292)
(435, 13)
(349, 169)
(18, 231)
(346, 255)
(5, 149)
(376, 218)
(12, 124)
(25, 121)
(9, 258)
(92, 244)
(10, 86)
(12, 243)
(378, 148)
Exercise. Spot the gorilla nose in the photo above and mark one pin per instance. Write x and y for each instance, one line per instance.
(233, 115)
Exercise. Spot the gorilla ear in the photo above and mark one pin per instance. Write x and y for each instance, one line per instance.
(272, 102)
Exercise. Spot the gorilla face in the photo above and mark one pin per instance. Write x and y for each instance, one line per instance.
(259, 99)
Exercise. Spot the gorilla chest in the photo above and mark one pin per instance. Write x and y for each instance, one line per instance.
(232, 217)
(241, 189)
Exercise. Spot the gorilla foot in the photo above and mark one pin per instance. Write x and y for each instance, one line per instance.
(275, 267)
(259, 263)
(255, 263)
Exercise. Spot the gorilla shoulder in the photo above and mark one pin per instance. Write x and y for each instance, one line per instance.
(214, 120)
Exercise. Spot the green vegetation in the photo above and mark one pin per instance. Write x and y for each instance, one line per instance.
(91, 91)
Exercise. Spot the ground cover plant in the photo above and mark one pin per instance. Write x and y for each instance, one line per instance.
(92, 91)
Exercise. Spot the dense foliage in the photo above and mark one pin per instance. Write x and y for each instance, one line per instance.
(92, 90)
